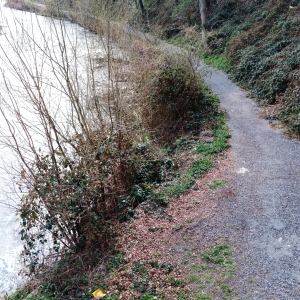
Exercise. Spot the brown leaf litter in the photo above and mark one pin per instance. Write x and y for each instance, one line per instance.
(165, 237)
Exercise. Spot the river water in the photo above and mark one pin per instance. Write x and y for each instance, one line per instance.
(30, 47)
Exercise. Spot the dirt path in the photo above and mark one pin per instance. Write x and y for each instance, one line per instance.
(263, 219)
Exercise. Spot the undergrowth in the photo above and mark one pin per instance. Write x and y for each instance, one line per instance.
(261, 44)
(78, 195)
(217, 61)
(139, 169)
(207, 153)
(161, 194)
(257, 43)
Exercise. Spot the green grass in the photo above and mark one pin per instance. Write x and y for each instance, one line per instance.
(22, 294)
(213, 277)
(183, 295)
(189, 220)
(198, 168)
(175, 282)
(220, 143)
(216, 255)
(194, 278)
(208, 153)
(216, 184)
(208, 278)
(148, 296)
(19, 294)
(186, 182)
(203, 297)
(217, 61)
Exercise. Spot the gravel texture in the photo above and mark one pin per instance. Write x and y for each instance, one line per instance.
(263, 217)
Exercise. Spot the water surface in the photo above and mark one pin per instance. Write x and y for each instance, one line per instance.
(39, 44)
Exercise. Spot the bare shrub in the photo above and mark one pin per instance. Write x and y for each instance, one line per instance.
(170, 92)
(70, 133)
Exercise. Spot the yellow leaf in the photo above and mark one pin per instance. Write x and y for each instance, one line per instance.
(98, 294)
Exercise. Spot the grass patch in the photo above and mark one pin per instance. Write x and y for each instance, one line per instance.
(175, 282)
(20, 294)
(218, 61)
(214, 276)
(203, 297)
(183, 295)
(216, 184)
(194, 278)
(217, 254)
(220, 143)
(209, 152)
(200, 167)
(24, 294)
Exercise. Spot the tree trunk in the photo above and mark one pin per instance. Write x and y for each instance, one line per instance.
(142, 8)
(203, 13)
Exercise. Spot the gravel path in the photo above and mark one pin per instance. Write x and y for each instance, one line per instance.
(264, 217)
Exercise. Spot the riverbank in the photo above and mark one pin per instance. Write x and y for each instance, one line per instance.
(38, 7)
(156, 254)
(83, 18)
(249, 213)
(155, 154)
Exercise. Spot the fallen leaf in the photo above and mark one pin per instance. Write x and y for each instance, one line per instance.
(98, 294)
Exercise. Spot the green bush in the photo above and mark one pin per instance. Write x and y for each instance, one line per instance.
(261, 42)
(290, 112)
(72, 198)
(187, 10)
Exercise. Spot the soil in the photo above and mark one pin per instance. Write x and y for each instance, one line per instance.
(191, 224)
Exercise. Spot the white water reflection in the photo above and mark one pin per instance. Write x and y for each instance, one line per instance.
(35, 42)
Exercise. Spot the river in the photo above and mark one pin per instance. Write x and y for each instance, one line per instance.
(33, 43)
